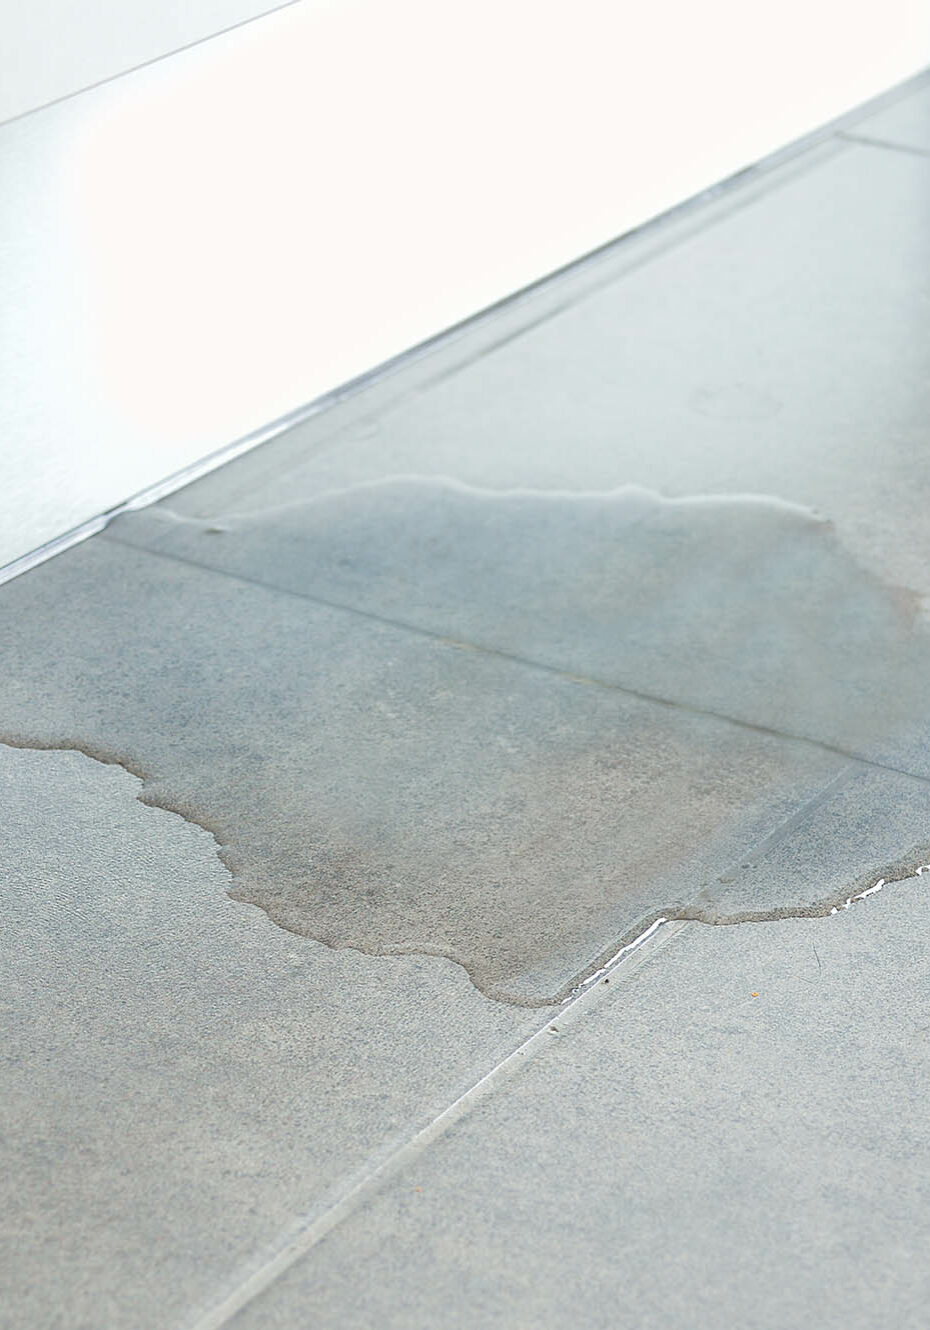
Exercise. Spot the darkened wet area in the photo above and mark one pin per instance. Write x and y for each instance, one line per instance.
(615, 615)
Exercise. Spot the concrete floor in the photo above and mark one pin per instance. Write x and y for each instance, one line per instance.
(333, 784)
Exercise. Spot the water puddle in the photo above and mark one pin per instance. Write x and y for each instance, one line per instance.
(522, 807)
(742, 605)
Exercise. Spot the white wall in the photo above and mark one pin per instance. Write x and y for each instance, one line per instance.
(52, 48)
(206, 244)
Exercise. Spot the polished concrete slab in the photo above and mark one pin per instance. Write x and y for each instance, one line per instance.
(742, 606)
(327, 779)
(720, 450)
(181, 1080)
(734, 1135)
(394, 791)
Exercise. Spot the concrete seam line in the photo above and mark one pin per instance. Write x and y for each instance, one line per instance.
(867, 141)
(322, 1219)
(528, 662)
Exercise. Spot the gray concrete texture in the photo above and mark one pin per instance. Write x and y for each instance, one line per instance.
(743, 606)
(391, 791)
(180, 1078)
(610, 609)
(738, 1134)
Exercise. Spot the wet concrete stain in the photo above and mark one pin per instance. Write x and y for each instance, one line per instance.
(289, 916)
(390, 791)
(744, 606)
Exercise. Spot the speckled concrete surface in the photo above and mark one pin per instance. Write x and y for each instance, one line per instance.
(181, 1079)
(459, 745)
(735, 1135)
